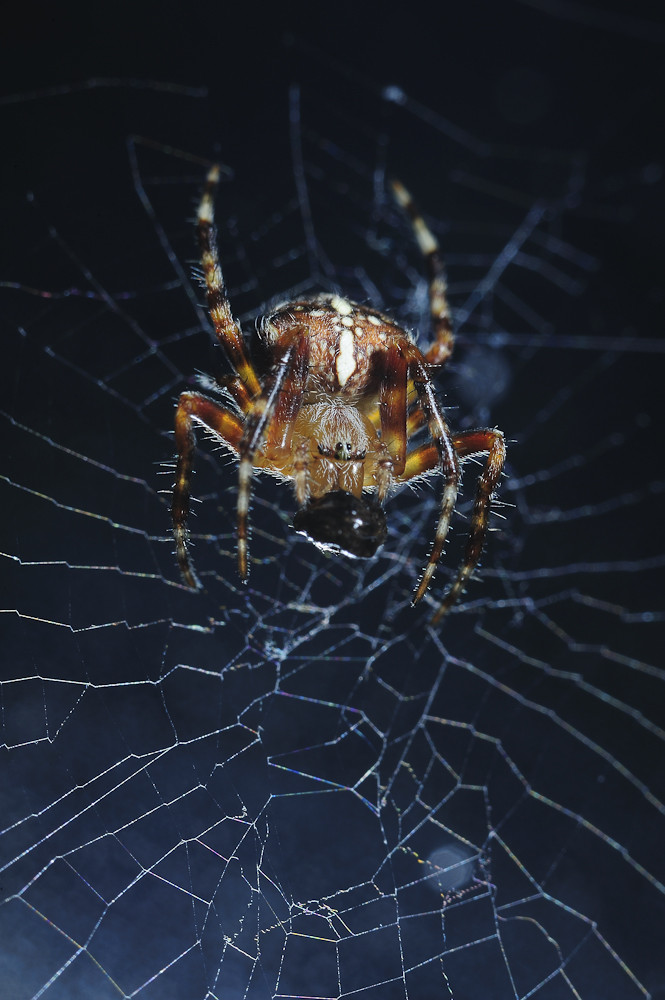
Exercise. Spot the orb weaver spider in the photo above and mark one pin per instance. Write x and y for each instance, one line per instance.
(329, 400)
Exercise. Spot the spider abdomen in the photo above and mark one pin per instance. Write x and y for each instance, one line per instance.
(347, 342)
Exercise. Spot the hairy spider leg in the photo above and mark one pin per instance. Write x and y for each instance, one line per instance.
(227, 330)
(192, 408)
(237, 390)
(442, 345)
(447, 462)
(411, 398)
(270, 421)
(415, 420)
(392, 410)
(440, 349)
(466, 443)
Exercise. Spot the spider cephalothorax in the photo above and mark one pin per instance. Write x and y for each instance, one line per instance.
(342, 390)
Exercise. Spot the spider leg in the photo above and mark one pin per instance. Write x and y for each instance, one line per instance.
(193, 408)
(392, 410)
(270, 422)
(301, 473)
(237, 390)
(228, 332)
(415, 421)
(441, 347)
(467, 443)
(374, 415)
(446, 460)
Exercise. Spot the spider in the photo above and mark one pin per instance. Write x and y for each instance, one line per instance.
(328, 399)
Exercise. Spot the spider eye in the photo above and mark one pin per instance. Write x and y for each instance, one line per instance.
(340, 522)
(343, 452)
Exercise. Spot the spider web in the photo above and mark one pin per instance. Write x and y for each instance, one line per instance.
(298, 788)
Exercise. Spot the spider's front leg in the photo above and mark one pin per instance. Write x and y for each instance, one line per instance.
(467, 443)
(438, 352)
(193, 408)
(446, 459)
(269, 425)
(227, 330)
